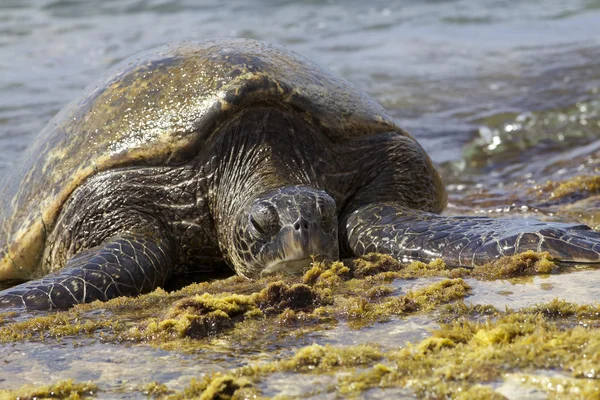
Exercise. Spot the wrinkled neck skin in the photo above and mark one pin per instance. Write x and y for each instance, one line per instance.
(259, 151)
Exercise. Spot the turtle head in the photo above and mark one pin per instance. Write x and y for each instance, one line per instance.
(283, 230)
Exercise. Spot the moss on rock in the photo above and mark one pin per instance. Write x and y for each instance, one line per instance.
(218, 387)
(571, 189)
(357, 291)
(155, 389)
(464, 359)
(475, 346)
(67, 389)
(317, 358)
(523, 264)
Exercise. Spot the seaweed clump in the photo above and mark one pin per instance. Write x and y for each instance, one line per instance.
(357, 291)
(518, 265)
(463, 359)
(205, 315)
(466, 353)
(67, 389)
(572, 189)
(317, 358)
(376, 263)
(474, 349)
(218, 386)
(199, 316)
(155, 389)
(59, 324)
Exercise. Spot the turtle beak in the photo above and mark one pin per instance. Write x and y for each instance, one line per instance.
(301, 243)
(287, 267)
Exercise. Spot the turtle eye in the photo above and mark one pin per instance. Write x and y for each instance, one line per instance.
(264, 219)
(325, 208)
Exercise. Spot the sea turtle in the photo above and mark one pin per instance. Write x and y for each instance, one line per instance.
(230, 150)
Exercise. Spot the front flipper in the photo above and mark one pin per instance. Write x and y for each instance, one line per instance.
(410, 235)
(124, 265)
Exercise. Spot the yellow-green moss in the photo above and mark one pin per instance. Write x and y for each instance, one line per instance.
(560, 309)
(155, 389)
(474, 348)
(523, 264)
(365, 380)
(466, 353)
(461, 357)
(384, 264)
(7, 317)
(464, 359)
(435, 343)
(379, 291)
(218, 387)
(446, 291)
(317, 358)
(194, 317)
(270, 309)
(67, 389)
(374, 263)
(54, 325)
(325, 294)
(279, 296)
(356, 291)
(578, 186)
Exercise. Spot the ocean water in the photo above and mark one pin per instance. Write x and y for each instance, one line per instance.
(500, 93)
(504, 96)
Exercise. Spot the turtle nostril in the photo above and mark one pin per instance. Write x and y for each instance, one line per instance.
(301, 224)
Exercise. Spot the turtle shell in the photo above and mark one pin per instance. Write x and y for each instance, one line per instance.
(159, 108)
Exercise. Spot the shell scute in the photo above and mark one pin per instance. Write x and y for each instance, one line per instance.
(159, 108)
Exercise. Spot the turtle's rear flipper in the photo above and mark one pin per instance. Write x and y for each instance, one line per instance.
(124, 265)
(410, 235)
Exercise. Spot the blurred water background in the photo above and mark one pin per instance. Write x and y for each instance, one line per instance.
(503, 94)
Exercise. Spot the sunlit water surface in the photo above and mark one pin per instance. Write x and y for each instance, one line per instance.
(502, 94)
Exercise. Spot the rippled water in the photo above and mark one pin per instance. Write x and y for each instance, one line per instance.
(497, 91)
(504, 95)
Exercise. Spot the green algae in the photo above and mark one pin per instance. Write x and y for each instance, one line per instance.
(571, 189)
(67, 389)
(218, 386)
(466, 353)
(278, 305)
(386, 266)
(53, 326)
(560, 309)
(320, 359)
(474, 348)
(326, 293)
(524, 264)
(314, 359)
(356, 291)
(155, 389)
(7, 316)
(465, 358)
